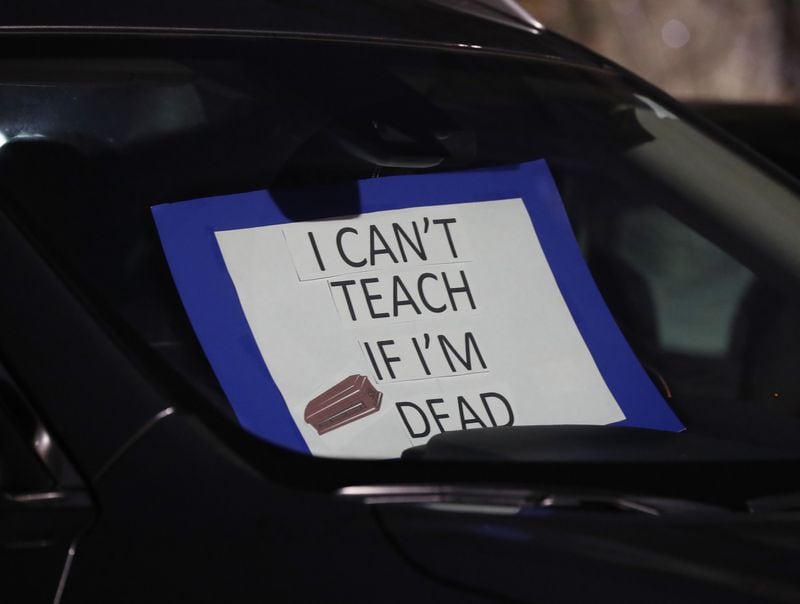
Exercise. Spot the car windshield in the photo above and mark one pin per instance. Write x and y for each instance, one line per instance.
(691, 242)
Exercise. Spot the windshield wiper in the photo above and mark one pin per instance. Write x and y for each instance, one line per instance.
(584, 444)
(785, 502)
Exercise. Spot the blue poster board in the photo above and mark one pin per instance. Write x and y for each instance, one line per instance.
(187, 231)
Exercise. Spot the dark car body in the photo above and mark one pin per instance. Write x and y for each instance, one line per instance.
(120, 483)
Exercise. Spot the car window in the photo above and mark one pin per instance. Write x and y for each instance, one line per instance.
(698, 269)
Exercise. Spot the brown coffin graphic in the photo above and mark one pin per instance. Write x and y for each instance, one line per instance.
(351, 399)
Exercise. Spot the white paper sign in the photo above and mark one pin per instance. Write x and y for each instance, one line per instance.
(385, 329)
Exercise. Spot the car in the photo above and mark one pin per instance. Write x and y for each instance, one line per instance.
(219, 223)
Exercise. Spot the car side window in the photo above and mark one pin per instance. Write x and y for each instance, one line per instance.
(696, 316)
(695, 291)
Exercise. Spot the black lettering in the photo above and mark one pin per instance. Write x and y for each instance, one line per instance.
(372, 360)
(418, 248)
(344, 257)
(398, 285)
(423, 298)
(436, 416)
(446, 222)
(475, 419)
(382, 344)
(344, 285)
(502, 399)
(370, 297)
(469, 345)
(316, 250)
(411, 432)
(374, 233)
(458, 290)
(420, 355)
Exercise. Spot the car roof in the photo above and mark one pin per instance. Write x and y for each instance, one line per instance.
(468, 24)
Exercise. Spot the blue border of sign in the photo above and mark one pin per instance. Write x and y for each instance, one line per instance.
(198, 269)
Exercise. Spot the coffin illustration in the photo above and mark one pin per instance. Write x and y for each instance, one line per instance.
(349, 400)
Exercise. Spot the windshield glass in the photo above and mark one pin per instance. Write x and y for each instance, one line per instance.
(691, 244)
